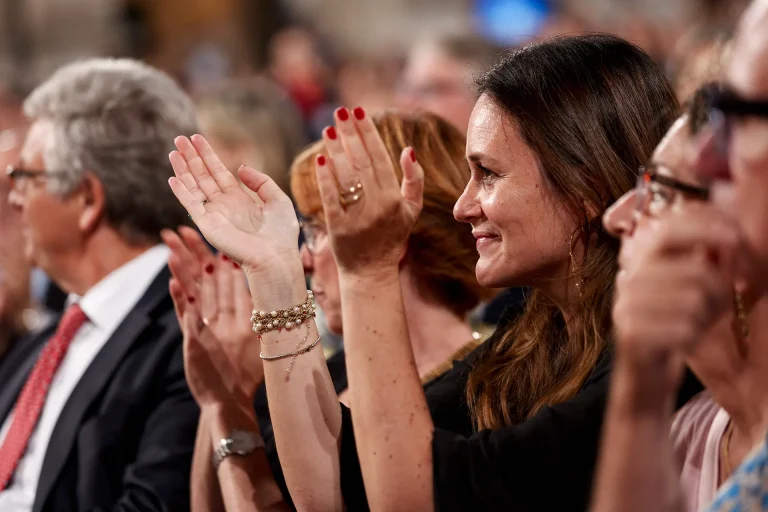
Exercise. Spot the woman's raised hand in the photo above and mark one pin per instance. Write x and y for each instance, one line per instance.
(369, 214)
(214, 306)
(260, 233)
(676, 281)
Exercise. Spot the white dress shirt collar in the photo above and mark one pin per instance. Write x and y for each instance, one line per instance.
(109, 300)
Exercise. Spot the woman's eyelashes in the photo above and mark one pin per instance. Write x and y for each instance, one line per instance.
(483, 173)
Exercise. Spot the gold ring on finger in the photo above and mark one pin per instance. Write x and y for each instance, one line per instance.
(351, 195)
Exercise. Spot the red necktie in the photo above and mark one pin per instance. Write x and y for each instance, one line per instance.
(30, 403)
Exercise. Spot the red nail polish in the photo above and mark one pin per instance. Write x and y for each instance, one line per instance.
(191, 300)
(224, 257)
(330, 132)
(359, 113)
(209, 268)
(413, 155)
(237, 267)
(342, 113)
(320, 159)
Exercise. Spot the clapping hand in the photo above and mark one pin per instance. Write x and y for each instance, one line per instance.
(260, 233)
(369, 214)
(214, 306)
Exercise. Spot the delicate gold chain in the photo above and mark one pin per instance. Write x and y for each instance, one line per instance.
(300, 349)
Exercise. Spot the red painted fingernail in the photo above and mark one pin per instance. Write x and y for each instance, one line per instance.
(413, 155)
(224, 257)
(234, 264)
(209, 268)
(330, 132)
(320, 159)
(342, 113)
(191, 300)
(359, 113)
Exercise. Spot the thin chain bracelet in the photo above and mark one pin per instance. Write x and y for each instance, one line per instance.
(296, 353)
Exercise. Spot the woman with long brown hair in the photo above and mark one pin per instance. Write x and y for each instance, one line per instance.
(557, 134)
(437, 278)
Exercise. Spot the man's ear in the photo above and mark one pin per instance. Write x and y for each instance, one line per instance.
(93, 203)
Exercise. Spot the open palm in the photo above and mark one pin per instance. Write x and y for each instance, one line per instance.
(258, 232)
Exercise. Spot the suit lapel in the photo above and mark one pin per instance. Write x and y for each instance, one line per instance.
(95, 378)
(17, 366)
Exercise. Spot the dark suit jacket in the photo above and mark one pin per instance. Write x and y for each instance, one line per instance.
(125, 438)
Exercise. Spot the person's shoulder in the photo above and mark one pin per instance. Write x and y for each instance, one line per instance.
(693, 421)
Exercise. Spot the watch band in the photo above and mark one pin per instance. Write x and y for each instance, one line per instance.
(239, 442)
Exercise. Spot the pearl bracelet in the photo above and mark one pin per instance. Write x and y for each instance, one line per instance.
(264, 322)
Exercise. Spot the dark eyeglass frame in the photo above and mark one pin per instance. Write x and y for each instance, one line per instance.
(15, 174)
(730, 103)
(648, 173)
(724, 105)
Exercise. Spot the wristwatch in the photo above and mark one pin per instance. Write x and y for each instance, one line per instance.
(239, 442)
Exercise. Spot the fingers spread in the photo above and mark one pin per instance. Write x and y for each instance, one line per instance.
(349, 138)
(347, 174)
(197, 167)
(187, 200)
(215, 167)
(376, 150)
(184, 174)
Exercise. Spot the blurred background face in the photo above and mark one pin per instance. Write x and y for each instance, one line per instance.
(742, 171)
(49, 223)
(437, 83)
(320, 265)
(522, 233)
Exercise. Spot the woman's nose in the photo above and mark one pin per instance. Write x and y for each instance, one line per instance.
(619, 219)
(467, 207)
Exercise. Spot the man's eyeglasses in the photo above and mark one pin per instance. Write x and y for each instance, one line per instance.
(656, 192)
(725, 106)
(311, 230)
(19, 177)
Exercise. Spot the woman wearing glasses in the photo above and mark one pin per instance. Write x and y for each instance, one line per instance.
(679, 303)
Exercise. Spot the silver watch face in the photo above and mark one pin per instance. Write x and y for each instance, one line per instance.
(243, 442)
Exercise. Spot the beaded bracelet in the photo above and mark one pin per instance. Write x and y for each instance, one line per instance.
(264, 322)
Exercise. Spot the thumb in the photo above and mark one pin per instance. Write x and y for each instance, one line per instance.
(412, 188)
(264, 186)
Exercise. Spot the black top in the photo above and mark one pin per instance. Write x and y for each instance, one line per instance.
(545, 463)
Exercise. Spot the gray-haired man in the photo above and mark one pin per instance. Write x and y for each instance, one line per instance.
(95, 413)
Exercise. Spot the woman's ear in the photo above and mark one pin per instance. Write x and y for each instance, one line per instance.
(93, 203)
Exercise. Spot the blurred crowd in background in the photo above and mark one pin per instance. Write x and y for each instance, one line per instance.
(267, 74)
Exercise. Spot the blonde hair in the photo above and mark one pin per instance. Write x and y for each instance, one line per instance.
(256, 112)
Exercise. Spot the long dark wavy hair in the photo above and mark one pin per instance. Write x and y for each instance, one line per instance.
(592, 108)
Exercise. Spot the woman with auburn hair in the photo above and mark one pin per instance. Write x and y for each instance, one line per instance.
(557, 134)
(438, 270)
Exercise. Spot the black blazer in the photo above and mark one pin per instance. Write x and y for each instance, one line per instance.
(125, 438)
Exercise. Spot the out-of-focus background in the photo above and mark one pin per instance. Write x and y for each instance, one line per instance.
(267, 74)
